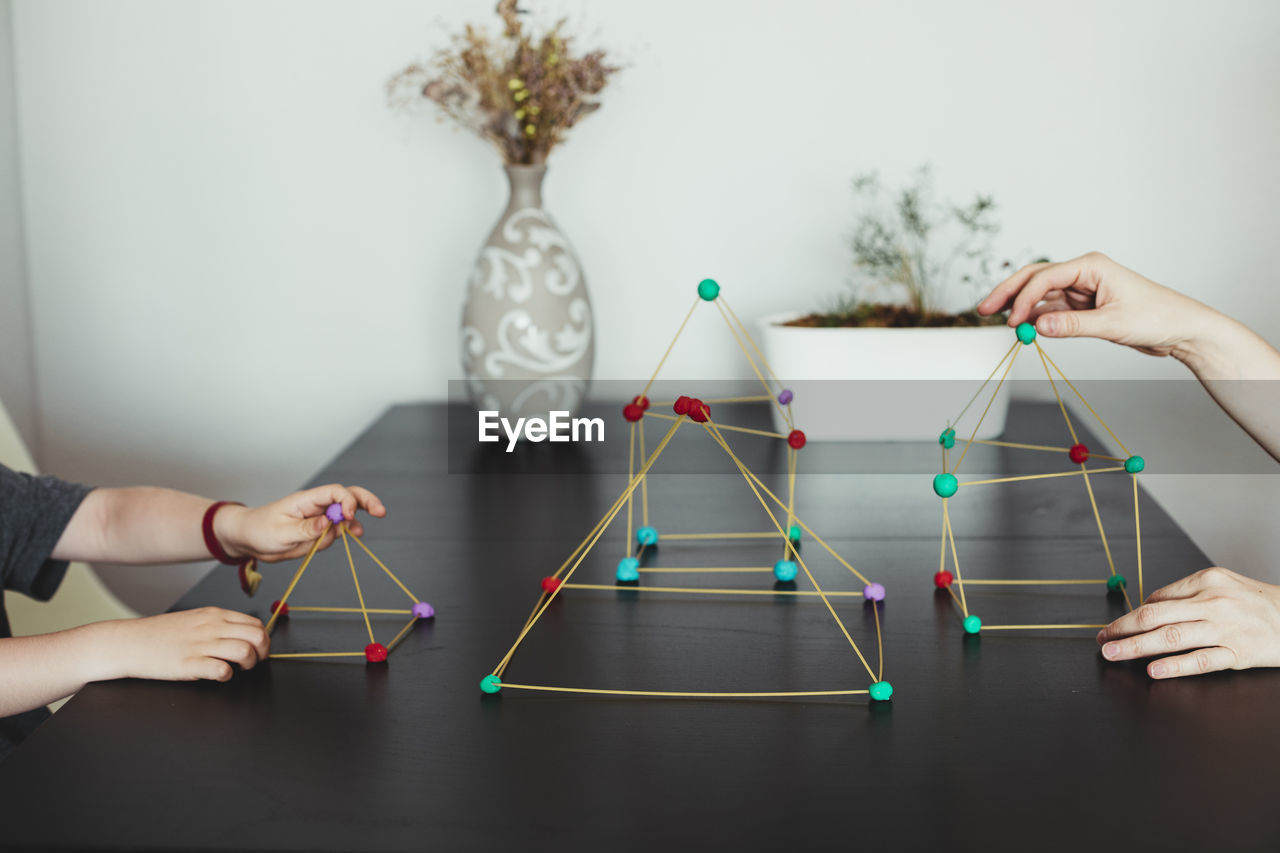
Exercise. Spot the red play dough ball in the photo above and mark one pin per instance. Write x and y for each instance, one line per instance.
(550, 584)
(375, 653)
(1078, 453)
(632, 412)
(796, 439)
(942, 580)
(284, 610)
(681, 405)
(698, 411)
(642, 401)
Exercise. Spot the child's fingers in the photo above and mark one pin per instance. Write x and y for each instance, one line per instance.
(233, 651)
(254, 635)
(368, 501)
(235, 617)
(211, 669)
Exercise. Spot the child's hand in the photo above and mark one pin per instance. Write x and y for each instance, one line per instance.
(285, 530)
(183, 646)
(1093, 296)
(1221, 619)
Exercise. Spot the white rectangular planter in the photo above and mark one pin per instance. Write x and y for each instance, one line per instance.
(855, 384)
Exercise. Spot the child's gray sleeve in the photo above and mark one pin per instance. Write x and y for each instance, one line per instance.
(33, 513)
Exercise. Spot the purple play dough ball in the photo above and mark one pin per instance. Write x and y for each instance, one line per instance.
(423, 610)
(334, 513)
(873, 592)
(786, 396)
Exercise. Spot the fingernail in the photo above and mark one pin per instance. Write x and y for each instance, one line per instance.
(1110, 650)
(1157, 670)
(1099, 637)
(1049, 324)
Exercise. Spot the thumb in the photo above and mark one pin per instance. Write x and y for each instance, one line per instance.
(1077, 324)
(311, 528)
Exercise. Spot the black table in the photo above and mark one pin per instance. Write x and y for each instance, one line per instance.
(1009, 741)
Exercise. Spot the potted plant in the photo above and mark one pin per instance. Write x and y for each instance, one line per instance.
(904, 341)
(527, 338)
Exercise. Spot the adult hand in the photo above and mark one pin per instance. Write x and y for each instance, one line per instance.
(286, 529)
(1212, 620)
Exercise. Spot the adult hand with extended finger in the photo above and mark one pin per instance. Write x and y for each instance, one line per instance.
(1212, 620)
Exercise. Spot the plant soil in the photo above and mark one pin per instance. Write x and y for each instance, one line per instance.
(883, 316)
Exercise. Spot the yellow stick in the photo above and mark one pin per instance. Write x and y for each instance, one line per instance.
(1021, 446)
(670, 346)
(318, 655)
(644, 486)
(1123, 449)
(875, 608)
(768, 367)
(1093, 502)
(759, 398)
(955, 558)
(1032, 583)
(754, 535)
(1137, 539)
(297, 608)
(765, 433)
(600, 528)
(994, 394)
(403, 633)
(786, 416)
(1035, 627)
(297, 576)
(728, 569)
(390, 573)
(631, 473)
(1040, 476)
(694, 590)
(505, 685)
(790, 548)
(342, 528)
(710, 427)
(1061, 406)
(985, 382)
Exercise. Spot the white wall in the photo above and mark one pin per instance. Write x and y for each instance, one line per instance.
(17, 378)
(238, 256)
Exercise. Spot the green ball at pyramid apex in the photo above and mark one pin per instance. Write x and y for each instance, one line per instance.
(1026, 332)
(1134, 464)
(881, 691)
(708, 289)
(945, 485)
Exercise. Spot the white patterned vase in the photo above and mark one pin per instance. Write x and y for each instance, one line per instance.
(527, 340)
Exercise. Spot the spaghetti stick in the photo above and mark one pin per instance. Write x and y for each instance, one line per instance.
(1035, 627)
(1118, 442)
(994, 394)
(955, 558)
(297, 576)
(670, 346)
(1137, 539)
(753, 535)
(1106, 548)
(786, 416)
(721, 569)
(760, 354)
(758, 398)
(644, 483)
(631, 473)
(1034, 582)
(698, 590)
(317, 655)
(1039, 476)
(675, 694)
(297, 608)
(403, 633)
(985, 382)
(383, 566)
(1061, 405)
(765, 433)
(342, 528)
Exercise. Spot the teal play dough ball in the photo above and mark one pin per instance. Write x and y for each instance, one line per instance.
(1116, 582)
(1134, 464)
(628, 569)
(491, 684)
(646, 536)
(945, 485)
(708, 289)
(794, 533)
(948, 438)
(785, 570)
(972, 624)
(1026, 332)
(881, 690)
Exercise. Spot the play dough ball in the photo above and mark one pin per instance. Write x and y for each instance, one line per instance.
(681, 405)
(550, 584)
(972, 624)
(1116, 582)
(708, 289)
(491, 684)
(948, 438)
(794, 533)
(375, 653)
(873, 592)
(945, 485)
(632, 412)
(334, 513)
(942, 579)
(1026, 332)
(283, 608)
(796, 439)
(881, 690)
(785, 570)
(785, 396)
(423, 610)
(642, 401)
(1078, 453)
(1134, 464)
(647, 536)
(628, 569)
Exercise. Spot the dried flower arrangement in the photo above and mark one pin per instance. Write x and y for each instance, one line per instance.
(908, 251)
(522, 91)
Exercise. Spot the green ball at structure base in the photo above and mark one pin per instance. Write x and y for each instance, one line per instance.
(794, 533)
(491, 684)
(708, 289)
(945, 485)
(972, 624)
(1026, 333)
(881, 691)
(1134, 464)
(1116, 582)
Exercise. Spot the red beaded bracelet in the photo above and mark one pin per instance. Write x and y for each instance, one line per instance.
(249, 576)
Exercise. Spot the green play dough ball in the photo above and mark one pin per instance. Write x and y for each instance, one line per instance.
(491, 684)
(708, 289)
(972, 624)
(1026, 332)
(1134, 464)
(881, 690)
(794, 533)
(945, 485)
(948, 438)
(1116, 582)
